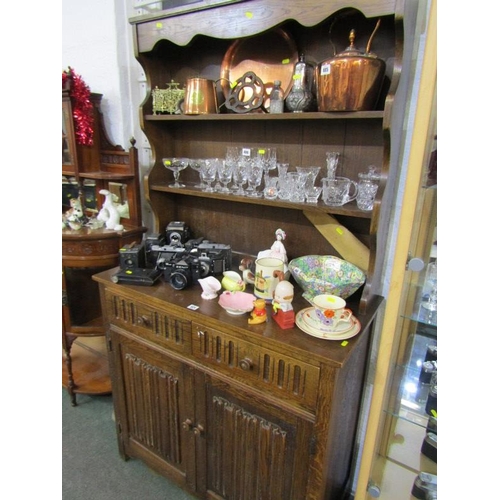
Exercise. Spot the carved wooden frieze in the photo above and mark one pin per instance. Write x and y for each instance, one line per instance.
(89, 247)
(250, 453)
(160, 429)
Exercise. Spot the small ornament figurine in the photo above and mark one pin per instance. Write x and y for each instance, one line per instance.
(210, 286)
(245, 267)
(258, 315)
(74, 217)
(282, 305)
(111, 211)
(277, 248)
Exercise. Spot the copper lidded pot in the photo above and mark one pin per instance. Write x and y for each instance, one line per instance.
(351, 80)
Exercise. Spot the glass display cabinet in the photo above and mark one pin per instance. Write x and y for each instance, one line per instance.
(399, 458)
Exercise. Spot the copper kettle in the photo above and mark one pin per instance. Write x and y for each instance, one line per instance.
(351, 80)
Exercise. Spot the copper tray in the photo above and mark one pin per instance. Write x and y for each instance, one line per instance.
(271, 56)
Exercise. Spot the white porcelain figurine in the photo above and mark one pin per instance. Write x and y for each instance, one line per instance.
(210, 286)
(110, 212)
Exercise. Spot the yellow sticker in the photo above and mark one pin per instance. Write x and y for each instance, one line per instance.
(296, 76)
(168, 162)
(262, 151)
(285, 61)
(434, 413)
(233, 84)
(249, 15)
(128, 271)
(339, 230)
(159, 25)
(343, 344)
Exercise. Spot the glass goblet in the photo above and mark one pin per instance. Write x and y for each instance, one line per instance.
(224, 174)
(195, 164)
(254, 179)
(232, 157)
(209, 173)
(240, 174)
(176, 165)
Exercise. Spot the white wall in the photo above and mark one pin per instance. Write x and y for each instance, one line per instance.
(97, 43)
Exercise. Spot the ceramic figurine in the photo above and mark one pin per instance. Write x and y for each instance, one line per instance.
(282, 305)
(210, 286)
(258, 315)
(74, 217)
(111, 211)
(245, 267)
(277, 248)
(277, 251)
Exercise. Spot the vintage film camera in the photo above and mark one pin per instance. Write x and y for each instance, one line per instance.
(184, 265)
(177, 233)
(133, 267)
(180, 260)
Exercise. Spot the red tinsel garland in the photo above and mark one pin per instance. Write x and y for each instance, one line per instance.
(82, 107)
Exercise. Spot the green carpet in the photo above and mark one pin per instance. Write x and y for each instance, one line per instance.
(92, 468)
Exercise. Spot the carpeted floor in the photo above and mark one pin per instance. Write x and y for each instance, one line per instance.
(92, 468)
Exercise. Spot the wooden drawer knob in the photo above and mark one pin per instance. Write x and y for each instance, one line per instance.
(143, 321)
(246, 364)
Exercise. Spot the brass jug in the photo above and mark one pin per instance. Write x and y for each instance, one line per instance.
(200, 98)
(351, 80)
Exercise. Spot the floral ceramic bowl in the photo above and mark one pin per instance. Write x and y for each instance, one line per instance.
(326, 274)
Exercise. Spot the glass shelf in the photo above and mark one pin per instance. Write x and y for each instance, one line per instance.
(410, 394)
(420, 313)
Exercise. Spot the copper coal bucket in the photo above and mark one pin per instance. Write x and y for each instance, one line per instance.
(200, 98)
(351, 80)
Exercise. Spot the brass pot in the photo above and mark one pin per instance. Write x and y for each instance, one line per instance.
(351, 80)
(200, 98)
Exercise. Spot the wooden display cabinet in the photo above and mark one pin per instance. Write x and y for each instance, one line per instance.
(226, 409)
(86, 251)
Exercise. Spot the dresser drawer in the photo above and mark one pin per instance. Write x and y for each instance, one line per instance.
(148, 322)
(270, 371)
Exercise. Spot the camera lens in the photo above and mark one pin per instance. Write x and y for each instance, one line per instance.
(175, 238)
(178, 280)
(204, 268)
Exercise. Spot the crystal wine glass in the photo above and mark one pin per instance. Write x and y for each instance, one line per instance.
(255, 171)
(176, 165)
(209, 173)
(195, 164)
(232, 157)
(224, 174)
(269, 159)
(240, 174)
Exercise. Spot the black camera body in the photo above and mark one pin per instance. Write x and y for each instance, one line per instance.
(181, 261)
(132, 256)
(177, 233)
(215, 258)
(182, 272)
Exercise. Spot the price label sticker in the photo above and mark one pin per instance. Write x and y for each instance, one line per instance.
(159, 25)
(193, 307)
(339, 231)
(285, 61)
(245, 152)
(249, 15)
(325, 70)
(296, 76)
(343, 344)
